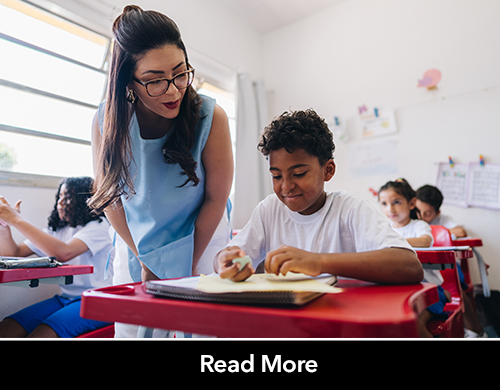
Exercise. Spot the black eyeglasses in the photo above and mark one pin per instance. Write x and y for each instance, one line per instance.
(158, 87)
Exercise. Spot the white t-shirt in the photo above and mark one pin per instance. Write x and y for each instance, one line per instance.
(444, 220)
(344, 224)
(447, 222)
(96, 236)
(417, 228)
(414, 229)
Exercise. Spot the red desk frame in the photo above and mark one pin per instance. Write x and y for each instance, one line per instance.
(362, 310)
(475, 242)
(33, 275)
(444, 259)
(436, 259)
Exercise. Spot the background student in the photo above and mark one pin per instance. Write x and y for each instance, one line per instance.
(302, 228)
(429, 201)
(398, 203)
(74, 235)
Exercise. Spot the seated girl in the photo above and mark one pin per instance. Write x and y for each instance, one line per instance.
(398, 201)
(74, 235)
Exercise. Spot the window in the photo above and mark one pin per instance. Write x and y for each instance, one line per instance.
(52, 79)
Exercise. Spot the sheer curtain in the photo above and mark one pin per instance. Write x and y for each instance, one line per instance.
(252, 179)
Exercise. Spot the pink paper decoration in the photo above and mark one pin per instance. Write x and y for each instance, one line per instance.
(431, 79)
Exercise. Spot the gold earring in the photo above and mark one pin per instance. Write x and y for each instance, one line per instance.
(131, 96)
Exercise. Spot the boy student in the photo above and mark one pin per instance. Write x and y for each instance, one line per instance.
(429, 201)
(304, 229)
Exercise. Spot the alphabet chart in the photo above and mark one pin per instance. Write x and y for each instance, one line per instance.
(484, 186)
(470, 185)
(452, 181)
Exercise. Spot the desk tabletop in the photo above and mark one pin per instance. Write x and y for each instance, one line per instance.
(15, 275)
(469, 241)
(443, 255)
(361, 310)
(435, 256)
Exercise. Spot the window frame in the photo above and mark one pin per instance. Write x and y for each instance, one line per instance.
(13, 178)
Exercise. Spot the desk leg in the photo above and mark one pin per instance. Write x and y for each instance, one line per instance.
(482, 270)
(144, 332)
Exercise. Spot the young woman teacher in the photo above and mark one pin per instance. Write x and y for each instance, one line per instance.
(162, 153)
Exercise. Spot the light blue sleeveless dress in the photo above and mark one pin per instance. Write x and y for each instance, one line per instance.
(161, 214)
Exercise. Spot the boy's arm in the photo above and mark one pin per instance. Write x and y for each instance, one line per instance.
(458, 231)
(250, 241)
(389, 265)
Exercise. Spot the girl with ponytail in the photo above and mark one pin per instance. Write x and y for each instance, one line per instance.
(398, 201)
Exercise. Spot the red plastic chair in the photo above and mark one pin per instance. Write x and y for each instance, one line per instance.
(453, 326)
(107, 332)
(442, 237)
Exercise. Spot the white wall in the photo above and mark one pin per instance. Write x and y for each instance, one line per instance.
(373, 52)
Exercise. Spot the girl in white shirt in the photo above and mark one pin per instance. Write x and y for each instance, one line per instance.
(73, 235)
(398, 201)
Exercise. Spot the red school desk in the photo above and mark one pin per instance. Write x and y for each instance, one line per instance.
(361, 310)
(33, 276)
(474, 242)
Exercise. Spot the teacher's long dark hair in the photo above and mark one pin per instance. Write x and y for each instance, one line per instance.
(136, 32)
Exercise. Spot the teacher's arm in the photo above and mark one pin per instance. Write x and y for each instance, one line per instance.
(115, 212)
(217, 158)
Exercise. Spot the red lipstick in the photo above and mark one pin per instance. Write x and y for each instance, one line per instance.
(172, 105)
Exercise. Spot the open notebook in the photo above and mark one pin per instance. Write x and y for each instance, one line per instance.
(259, 289)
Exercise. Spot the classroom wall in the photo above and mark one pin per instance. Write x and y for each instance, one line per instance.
(365, 52)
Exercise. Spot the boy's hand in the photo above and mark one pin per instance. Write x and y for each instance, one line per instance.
(233, 271)
(287, 258)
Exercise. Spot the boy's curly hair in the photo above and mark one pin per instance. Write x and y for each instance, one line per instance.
(299, 130)
(79, 190)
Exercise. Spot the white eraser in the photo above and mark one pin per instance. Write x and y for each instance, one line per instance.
(243, 261)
